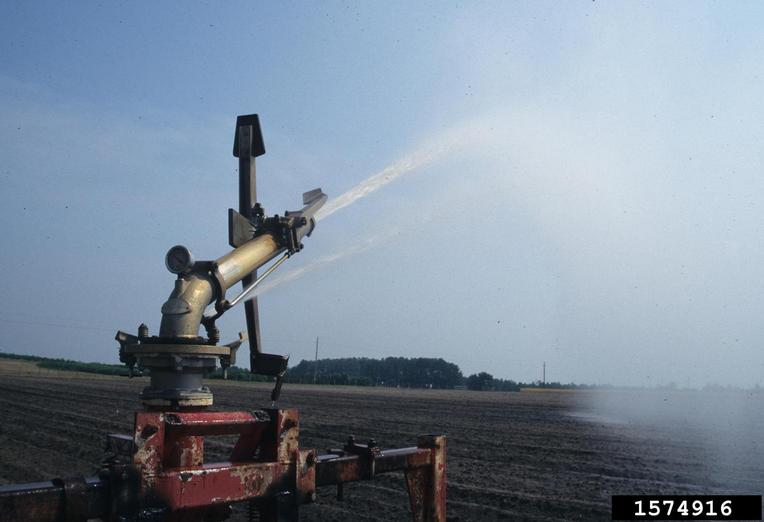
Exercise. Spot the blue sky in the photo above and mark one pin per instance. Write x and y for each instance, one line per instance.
(595, 201)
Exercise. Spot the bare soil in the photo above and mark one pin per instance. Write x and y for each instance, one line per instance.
(533, 455)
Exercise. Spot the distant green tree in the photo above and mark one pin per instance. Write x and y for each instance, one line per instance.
(505, 385)
(480, 381)
(420, 372)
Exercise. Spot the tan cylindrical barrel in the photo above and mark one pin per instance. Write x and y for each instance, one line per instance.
(250, 256)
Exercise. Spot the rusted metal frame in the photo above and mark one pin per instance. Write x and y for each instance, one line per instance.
(427, 486)
(169, 455)
(437, 445)
(250, 437)
(222, 483)
(418, 483)
(282, 436)
(215, 423)
(214, 484)
(424, 467)
(182, 451)
(305, 476)
(226, 482)
(183, 489)
(156, 434)
(148, 441)
(47, 501)
(280, 443)
(169, 461)
(331, 469)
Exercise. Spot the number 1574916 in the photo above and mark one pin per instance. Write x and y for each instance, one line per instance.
(695, 508)
(686, 507)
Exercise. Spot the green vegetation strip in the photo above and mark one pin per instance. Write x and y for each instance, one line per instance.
(397, 372)
(69, 365)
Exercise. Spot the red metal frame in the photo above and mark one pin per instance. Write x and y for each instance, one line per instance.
(265, 460)
(266, 467)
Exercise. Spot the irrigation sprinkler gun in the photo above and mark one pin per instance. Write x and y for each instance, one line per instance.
(178, 357)
(159, 473)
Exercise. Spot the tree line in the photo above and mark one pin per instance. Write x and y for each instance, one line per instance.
(404, 372)
(415, 372)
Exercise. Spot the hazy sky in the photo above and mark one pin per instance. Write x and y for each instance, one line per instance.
(588, 189)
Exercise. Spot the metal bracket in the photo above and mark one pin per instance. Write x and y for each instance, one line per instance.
(240, 229)
(370, 451)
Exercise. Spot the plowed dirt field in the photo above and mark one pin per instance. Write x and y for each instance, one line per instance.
(533, 455)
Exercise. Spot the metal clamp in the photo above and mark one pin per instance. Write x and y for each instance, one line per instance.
(370, 451)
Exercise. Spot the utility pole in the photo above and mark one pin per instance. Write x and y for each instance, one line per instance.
(543, 374)
(315, 363)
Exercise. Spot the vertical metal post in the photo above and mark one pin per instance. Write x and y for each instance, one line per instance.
(248, 195)
(280, 443)
(248, 144)
(427, 485)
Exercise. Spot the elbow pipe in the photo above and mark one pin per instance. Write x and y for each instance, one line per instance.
(183, 311)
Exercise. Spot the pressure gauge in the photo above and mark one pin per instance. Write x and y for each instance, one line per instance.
(179, 260)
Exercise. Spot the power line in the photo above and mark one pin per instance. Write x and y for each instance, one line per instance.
(315, 363)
